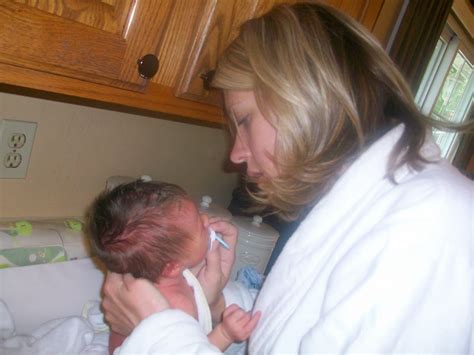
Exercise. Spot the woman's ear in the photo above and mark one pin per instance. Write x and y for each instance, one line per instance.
(172, 269)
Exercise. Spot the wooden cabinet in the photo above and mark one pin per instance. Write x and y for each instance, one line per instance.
(88, 49)
(97, 41)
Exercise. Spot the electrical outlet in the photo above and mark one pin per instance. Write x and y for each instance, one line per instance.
(17, 140)
(12, 160)
(16, 143)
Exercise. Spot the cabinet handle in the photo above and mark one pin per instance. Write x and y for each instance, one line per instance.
(207, 79)
(148, 66)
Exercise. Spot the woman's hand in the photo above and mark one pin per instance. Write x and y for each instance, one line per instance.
(219, 261)
(127, 301)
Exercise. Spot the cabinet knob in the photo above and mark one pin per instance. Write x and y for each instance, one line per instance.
(207, 79)
(148, 66)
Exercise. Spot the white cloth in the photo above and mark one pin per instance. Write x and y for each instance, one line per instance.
(69, 335)
(204, 312)
(60, 290)
(374, 268)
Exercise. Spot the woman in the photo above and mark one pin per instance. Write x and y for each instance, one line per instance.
(329, 131)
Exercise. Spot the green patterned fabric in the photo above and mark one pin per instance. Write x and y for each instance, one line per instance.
(31, 256)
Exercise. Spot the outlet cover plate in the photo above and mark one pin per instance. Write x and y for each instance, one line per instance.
(16, 140)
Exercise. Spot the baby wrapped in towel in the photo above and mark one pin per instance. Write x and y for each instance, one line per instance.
(154, 231)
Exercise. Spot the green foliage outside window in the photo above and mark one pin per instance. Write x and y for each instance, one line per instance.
(453, 89)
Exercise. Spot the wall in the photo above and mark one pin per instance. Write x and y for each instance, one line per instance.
(76, 148)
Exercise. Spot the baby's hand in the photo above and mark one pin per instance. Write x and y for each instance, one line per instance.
(237, 325)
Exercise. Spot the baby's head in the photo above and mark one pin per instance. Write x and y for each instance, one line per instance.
(148, 229)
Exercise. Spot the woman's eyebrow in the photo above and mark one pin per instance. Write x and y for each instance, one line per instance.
(236, 108)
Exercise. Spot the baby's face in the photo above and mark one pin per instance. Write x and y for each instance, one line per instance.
(195, 225)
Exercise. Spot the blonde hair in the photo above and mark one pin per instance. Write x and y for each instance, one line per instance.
(329, 89)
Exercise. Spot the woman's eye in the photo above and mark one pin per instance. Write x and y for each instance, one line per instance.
(242, 121)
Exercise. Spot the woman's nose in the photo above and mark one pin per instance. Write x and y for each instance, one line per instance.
(239, 152)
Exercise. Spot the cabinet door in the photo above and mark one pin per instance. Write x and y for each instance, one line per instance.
(94, 40)
(220, 25)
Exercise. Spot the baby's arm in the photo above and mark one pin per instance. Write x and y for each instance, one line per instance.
(236, 326)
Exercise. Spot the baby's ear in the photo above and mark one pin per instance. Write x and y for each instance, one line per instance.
(172, 269)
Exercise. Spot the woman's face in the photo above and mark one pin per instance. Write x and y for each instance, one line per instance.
(254, 142)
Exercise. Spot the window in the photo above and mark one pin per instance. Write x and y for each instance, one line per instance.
(446, 91)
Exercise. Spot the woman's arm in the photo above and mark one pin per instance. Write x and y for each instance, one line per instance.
(217, 309)
(405, 290)
(168, 332)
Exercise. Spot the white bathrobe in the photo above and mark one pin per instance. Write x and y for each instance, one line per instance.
(374, 268)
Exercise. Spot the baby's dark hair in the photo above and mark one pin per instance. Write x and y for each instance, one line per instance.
(132, 230)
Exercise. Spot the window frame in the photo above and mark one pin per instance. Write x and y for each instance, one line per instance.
(455, 39)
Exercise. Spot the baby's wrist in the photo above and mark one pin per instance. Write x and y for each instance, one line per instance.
(217, 308)
(224, 333)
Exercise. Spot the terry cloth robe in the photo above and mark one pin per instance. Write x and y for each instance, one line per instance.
(375, 267)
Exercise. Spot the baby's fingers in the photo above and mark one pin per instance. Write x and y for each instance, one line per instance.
(252, 323)
(231, 310)
(247, 324)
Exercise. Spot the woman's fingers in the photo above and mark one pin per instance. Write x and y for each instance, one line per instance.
(114, 310)
(226, 229)
(112, 281)
(227, 256)
(213, 258)
(127, 301)
(219, 260)
(128, 280)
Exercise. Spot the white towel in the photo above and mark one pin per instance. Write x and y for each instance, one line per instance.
(70, 335)
(204, 312)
